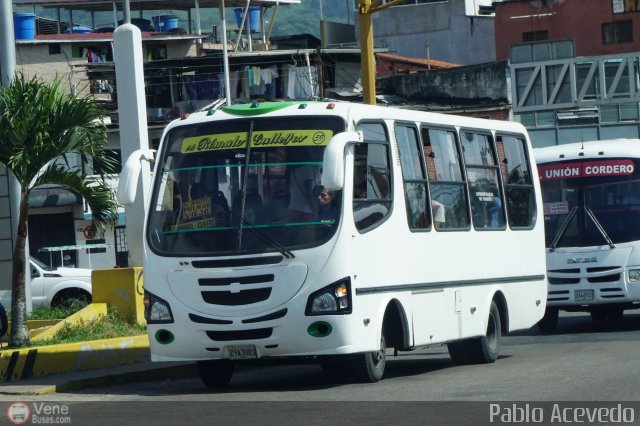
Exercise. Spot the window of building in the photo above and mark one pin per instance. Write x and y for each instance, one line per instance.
(372, 196)
(54, 49)
(414, 177)
(487, 207)
(446, 180)
(617, 32)
(541, 51)
(535, 35)
(518, 183)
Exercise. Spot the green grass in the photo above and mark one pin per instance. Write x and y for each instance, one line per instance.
(104, 327)
(58, 312)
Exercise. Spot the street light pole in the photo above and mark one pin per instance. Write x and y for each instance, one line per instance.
(366, 8)
(7, 43)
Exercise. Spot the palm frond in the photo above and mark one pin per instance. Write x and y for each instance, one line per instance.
(97, 194)
(39, 123)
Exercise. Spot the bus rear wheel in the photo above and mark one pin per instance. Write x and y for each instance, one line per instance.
(215, 373)
(480, 350)
(369, 366)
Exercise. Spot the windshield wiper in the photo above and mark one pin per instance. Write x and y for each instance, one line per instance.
(243, 193)
(592, 216)
(270, 241)
(563, 228)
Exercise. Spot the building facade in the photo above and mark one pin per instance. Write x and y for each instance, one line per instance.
(574, 67)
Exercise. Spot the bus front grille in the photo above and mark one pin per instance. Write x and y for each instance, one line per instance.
(243, 297)
(225, 336)
(555, 296)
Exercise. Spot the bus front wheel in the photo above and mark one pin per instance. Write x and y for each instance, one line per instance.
(215, 373)
(369, 366)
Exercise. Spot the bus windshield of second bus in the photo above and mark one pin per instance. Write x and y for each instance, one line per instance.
(591, 203)
(218, 195)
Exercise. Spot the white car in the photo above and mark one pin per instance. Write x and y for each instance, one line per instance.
(57, 287)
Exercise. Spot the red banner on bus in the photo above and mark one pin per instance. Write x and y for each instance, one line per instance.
(586, 169)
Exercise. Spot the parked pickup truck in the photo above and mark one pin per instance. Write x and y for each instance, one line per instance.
(57, 287)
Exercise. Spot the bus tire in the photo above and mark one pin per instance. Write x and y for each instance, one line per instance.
(479, 350)
(487, 348)
(615, 314)
(215, 373)
(598, 314)
(549, 321)
(460, 352)
(369, 366)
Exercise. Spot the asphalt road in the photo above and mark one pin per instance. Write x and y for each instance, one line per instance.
(582, 361)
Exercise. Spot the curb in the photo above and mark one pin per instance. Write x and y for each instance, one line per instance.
(139, 373)
(26, 363)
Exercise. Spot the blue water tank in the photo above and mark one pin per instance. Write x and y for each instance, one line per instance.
(253, 17)
(24, 26)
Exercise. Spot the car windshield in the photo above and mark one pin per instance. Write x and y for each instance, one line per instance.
(604, 193)
(40, 264)
(213, 194)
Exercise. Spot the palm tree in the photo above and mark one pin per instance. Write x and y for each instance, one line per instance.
(40, 123)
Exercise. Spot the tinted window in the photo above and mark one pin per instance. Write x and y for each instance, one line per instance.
(482, 174)
(444, 170)
(518, 185)
(372, 181)
(414, 177)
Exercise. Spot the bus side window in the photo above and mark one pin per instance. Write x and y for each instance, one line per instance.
(372, 195)
(487, 207)
(519, 192)
(446, 181)
(414, 176)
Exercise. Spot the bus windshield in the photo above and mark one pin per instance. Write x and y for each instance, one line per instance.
(214, 194)
(591, 203)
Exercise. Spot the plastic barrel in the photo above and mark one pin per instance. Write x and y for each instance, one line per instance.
(253, 17)
(169, 22)
(24, 26)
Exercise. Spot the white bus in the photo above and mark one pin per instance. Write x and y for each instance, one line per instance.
(433, 234)
(591, 195)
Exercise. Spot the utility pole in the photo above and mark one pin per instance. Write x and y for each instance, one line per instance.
(366, 8)
(7, 43)
(7, 71)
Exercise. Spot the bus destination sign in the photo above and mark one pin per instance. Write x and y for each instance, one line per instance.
(580, 169)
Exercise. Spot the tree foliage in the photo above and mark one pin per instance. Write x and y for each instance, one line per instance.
(41, 126)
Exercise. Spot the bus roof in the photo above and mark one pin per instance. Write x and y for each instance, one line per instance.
(347, 110)
(612, 148)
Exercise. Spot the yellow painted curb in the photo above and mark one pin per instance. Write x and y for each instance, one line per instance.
(55, 359)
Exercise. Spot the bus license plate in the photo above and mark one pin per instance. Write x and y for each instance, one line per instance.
(583, 295)
(242, 352)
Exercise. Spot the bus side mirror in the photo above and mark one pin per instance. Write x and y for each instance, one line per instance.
(128, 183)
(333, 160)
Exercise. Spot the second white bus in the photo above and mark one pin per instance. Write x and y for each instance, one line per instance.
(591, 195)
(433, 235)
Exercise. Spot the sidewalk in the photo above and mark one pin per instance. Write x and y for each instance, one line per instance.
(144, 371)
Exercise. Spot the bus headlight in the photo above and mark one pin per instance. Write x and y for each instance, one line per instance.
(156, 310)
(334, 299)
(634, 275)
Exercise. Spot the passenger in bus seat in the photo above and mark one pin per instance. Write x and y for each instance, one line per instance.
(327, 211)
(301, 202)
(437, 210)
